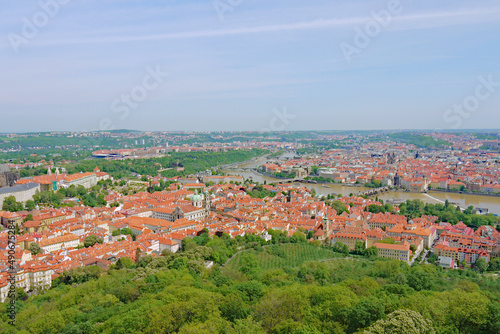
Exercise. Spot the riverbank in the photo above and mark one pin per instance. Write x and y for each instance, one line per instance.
(465, 193)
(238, 164)
(441, 201)
(463, 200)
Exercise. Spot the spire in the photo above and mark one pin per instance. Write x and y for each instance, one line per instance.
(326, 224)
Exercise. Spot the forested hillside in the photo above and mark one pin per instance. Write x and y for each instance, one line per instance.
(175, 293)
(192, 161)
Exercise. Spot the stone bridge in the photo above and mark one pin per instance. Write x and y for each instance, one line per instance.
(374, 191)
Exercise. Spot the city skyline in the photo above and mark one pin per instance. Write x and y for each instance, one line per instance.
(238, 166)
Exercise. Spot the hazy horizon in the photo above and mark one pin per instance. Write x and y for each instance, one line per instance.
(259, 131)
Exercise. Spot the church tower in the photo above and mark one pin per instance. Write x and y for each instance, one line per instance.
(326, 225)
(207, 201)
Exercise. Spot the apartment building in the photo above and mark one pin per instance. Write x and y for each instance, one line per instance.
(57, 243)
(349, 239)
(399, 252)
(21, 193)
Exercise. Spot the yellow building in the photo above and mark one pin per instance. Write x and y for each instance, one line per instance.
(452, 252)
(349, 239)
(397, 252)
(49, 218)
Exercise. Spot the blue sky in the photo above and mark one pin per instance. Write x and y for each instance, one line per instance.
(234, 73)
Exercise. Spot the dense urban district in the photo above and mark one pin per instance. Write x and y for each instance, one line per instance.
(157, 232)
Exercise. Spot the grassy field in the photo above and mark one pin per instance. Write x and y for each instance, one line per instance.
(285, 256)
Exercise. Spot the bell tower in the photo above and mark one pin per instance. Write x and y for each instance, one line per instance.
(207, 201)
(326, 224)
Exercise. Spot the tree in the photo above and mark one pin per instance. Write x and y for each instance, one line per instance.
(101, 201)
(365, 313)
(48, 323)
(128, 231)
(138, 254)
(71, 191)
(339, 207)
(493, 321)
(124, 262)
(252, 291)
(91, 240)
(30, 205)
(433, 258)
(143, 261)
(298, 237)
(494, 264)
(388, 207)
(291, 326)
(466, 311)
(402, 322)
(345, 250)
(81, 190)
(10, 204)
(35, 248)
(341, 248)
(374, 208)
(419, 279)
(371, 252)
(400, 279)
(80, 275)
(281, 305)
(244, 326)
(234, 307)
(481, 265)
(249, 265)
(28, 218)
(90, 199)
(359, 247)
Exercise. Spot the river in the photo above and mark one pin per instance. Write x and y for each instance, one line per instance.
(463, 200)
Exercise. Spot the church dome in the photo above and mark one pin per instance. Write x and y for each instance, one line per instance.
(196, 198)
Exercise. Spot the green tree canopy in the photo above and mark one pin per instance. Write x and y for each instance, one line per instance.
(402, 322)
(10, 204)
(91, 240)
(35, 248)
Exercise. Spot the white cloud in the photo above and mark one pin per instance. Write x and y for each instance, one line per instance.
(407, 22)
